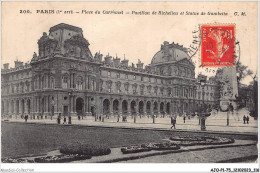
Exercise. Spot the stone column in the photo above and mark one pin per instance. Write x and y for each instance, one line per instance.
(71, 104)
(129, 107)
(20, 107)
(152, 111)
(5, 107)
(15, 108)
(136, 110)
(10, 107)
(25, 106)
(111, 107)
(164, 109)
(119, 109)
(74, 101)
(144, 108)
(101, 108)
(86, 106)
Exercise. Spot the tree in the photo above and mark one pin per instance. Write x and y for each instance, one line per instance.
(242, 71)
(254, 112)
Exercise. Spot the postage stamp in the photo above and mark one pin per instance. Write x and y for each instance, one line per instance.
(218, 45)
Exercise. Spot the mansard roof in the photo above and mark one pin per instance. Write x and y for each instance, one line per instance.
(170, 53)
(65, 26)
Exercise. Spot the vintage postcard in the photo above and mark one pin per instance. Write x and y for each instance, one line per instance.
(119, 83)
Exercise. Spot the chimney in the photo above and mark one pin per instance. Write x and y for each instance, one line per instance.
(139, 65)
(116, 62)
(108, 60)
(124, 63)
(18, 64)
(165, 48)
(6, 66)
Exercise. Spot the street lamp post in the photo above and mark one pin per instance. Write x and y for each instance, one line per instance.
(69, 117)
(202, 119)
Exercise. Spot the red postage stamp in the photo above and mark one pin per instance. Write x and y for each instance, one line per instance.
(217, 45)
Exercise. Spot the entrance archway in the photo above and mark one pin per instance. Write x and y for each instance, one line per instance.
(7, 107)
(2, 110)
(124, 107)
(155, 107)
(148, 107)
(133, 107)
(29, 106)
(141, 107)
(115, 106)
(42, 105)
(92, 109)
(79, 106)
(168, 108)
(17, 107)
(186, 107)
(106, 105)
(162, 108)
(12, 106)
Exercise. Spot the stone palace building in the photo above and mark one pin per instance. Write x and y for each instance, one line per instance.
(66, 78)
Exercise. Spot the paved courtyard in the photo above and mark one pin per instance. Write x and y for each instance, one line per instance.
(216, 123)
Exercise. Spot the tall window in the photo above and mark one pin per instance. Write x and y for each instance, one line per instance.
(118, 86)
(22, 87)
(134, 88)
(79, 84)
(155, 90)
(109, 85)
(134, 77)
(109, 73)
(169, 92)
(149, 89)
(45, 81)
(118, 75)
(65, 82)
(52, 82)
(142, 89)
(127, 87)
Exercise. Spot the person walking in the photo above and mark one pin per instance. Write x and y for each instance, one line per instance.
(184, 117)
(26, 118)
(173, 122)
(69, 119)
(64, 120)
(244, 119)
(58, 120)
(247, 119)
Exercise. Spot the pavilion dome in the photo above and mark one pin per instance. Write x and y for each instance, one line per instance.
(170, 53)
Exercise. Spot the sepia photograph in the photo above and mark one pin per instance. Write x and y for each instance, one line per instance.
(129, 82)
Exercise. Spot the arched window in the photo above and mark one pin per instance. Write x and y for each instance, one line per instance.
(22, 87)
(78, 52)
(52, 82)
(79, 84)
(45, 81)
(12, 89)
(65, 82)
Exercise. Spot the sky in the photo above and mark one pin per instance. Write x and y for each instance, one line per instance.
(133, 35)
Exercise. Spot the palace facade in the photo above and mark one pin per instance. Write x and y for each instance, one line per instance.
(66, 78)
